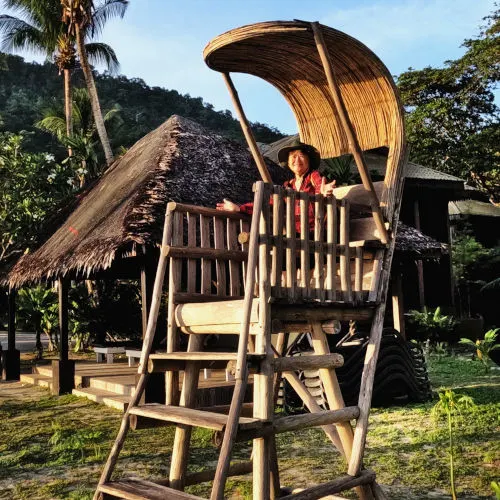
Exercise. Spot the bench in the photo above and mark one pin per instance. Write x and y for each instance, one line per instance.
(109, 352)
(132, 354)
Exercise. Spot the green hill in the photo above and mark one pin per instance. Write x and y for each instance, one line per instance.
(26, 88)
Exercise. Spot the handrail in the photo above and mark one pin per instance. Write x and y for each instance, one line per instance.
(174, 206)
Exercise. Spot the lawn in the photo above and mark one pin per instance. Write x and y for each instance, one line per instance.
(54, 447)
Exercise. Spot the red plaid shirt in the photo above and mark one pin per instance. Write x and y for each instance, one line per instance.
(311, 183)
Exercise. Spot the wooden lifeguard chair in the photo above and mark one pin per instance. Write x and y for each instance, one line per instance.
(229, 274)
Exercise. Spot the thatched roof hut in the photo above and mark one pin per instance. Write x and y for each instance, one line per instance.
(123, 213)
(411, 243)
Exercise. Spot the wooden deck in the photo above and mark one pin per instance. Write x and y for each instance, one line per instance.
(113, 384)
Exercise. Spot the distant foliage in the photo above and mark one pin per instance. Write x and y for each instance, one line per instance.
(29, 88)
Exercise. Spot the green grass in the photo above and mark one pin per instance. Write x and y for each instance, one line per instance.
(54, 448)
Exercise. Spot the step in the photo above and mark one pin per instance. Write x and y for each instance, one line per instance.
(123, 385)
(139, 489)
(160, 362)
(297, 422)
(342, 483)
(190, 416)
(36, 379)
(105, 397)
(313, 362)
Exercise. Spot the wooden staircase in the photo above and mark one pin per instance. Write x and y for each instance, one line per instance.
(224, 280)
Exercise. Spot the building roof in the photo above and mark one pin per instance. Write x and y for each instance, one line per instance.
(376, 162)
(410, 242)
(473, 207)
(179, 161)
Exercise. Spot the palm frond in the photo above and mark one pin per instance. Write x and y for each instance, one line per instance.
(103, 53)
(19, 35)
(339, 169)
(107, 10)
(492, 285)
(54, 125)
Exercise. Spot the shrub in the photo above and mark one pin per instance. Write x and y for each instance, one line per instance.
(432, 325)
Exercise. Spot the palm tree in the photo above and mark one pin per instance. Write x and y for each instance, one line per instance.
(83, 141)
(83, 18)
(41, 30)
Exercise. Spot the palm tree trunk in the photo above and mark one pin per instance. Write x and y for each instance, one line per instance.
(94, 99)
(68, 105)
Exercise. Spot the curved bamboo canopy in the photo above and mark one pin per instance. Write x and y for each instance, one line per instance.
(286, 54)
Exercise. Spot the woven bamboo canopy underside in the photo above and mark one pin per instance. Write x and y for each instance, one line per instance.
(285, 54)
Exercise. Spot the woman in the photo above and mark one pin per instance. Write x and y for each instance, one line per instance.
(303, 160)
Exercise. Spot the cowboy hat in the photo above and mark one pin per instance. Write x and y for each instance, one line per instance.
(311, 151)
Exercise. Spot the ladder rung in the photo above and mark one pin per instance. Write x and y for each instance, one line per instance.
(336, 486)
(297, 422)
(294, 363)
(161, 362)
(138, 489)
(190, 416)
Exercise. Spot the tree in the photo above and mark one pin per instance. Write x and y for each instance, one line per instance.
(32, 185)
(41, 30)
(83, 141)
(83, 18)
(453, 121)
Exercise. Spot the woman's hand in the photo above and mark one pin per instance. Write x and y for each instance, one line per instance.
(228, 205)
(327, 187)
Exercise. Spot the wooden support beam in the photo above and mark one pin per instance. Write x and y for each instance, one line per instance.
(63, 290)
(147, 285)
(349, 130)
(336, 486)
(11, 358)
(241, 365)
(398, 317)
(247, 131)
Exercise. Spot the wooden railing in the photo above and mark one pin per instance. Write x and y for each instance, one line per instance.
(312, 256)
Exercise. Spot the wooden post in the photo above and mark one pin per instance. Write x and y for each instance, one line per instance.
(146, 349)
(63, 318)
(247, 131)
(182, 438)
(63, 369)
(263, 381)
(349, 130)
(241, 373)
(397, 299)
(172, 377)
(147, 284)
(420, 265)
(11, 358)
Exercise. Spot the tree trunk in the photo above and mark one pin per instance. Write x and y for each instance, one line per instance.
(68, 104)
(38, 344)
(94, 99)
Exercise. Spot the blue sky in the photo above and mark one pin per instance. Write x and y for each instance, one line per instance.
(162, 41)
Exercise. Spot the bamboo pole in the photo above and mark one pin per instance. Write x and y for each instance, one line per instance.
(182, 438)
(241, 373)
(263, 382)
(146, 349)
(349, 130)
(247, 131)
(174, 281)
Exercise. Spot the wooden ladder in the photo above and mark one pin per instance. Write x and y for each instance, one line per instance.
(255, 354)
